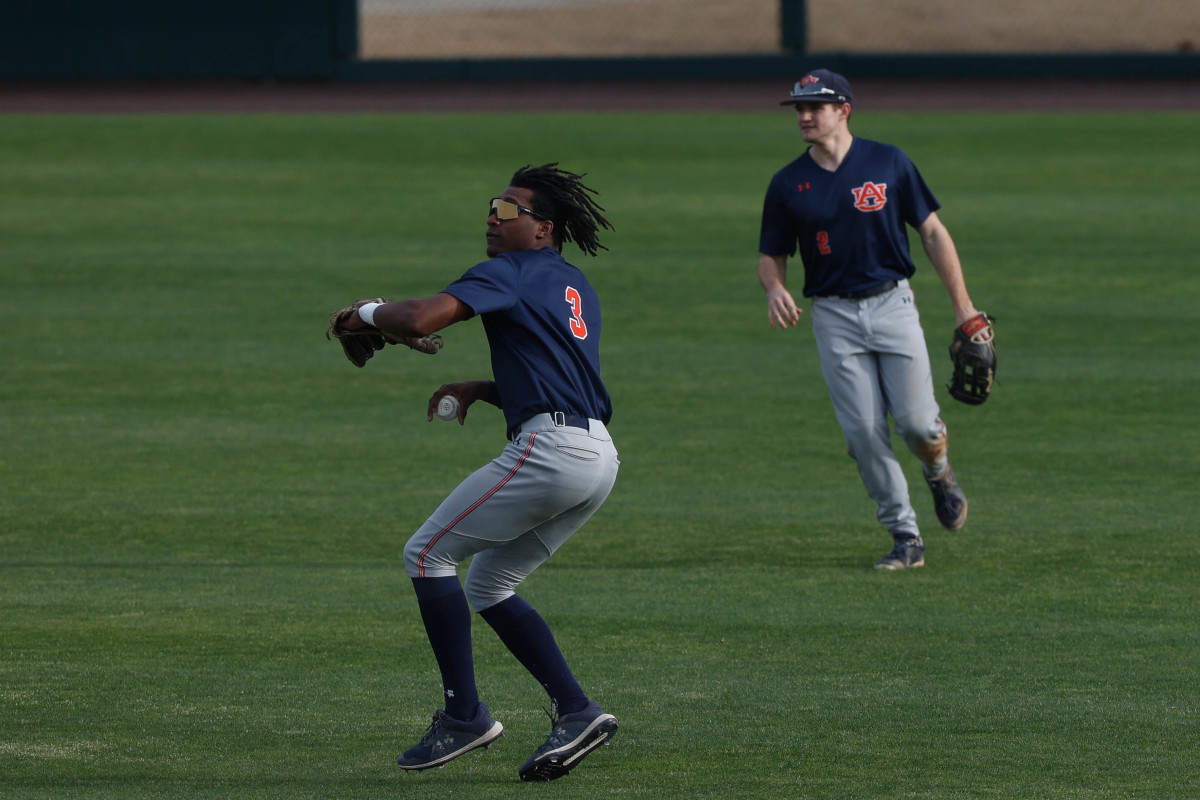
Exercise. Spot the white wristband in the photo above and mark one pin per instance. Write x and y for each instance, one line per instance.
(367, 313)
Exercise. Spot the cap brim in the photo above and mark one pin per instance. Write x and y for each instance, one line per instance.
(816, 98)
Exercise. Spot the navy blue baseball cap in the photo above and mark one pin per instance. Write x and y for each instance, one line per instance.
(820, 86)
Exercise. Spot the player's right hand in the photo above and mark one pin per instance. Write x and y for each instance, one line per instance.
(465, 392)
(782, 311)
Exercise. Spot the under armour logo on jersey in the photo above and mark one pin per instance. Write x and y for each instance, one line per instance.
(870, 196)
(803, 186)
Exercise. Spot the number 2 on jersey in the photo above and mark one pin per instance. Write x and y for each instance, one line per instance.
(823, 243)
(578, 326)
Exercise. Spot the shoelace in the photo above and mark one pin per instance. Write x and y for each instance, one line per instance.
(432, 731)
(555, 718)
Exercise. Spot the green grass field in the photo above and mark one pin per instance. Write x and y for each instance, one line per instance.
(203, 504)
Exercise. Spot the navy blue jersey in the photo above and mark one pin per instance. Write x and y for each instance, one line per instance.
(848, 224)
(542, 319)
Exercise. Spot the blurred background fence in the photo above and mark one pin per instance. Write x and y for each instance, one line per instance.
(423, 29)
(516, 28)
(594, 39)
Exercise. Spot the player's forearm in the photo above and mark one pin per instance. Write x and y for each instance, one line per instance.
(772, 272)
(952, 279)
(943, 255)
(419, 316)
(472, 391)
(488, 392)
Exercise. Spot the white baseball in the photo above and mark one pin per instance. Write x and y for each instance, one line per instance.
(447, 408)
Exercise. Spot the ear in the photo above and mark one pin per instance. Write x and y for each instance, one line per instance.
(545, 229)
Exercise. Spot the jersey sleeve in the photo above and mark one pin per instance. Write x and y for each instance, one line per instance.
(488, 286)
(917, 200)
(777, 236)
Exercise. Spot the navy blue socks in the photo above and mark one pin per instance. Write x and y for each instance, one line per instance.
(447, 619)
(528, 637)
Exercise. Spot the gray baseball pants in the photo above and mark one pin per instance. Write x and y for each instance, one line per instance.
(513, 513)
(875, 362)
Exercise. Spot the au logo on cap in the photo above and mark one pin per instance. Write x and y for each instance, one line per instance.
(820, 86)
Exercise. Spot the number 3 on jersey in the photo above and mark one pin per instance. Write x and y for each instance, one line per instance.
(578, 326)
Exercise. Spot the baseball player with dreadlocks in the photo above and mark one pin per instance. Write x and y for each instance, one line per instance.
(844, 203)
(542, 319)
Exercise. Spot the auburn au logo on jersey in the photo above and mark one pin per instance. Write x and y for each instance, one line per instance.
(870, 196)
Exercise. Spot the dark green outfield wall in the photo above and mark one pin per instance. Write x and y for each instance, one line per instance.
(170, 39)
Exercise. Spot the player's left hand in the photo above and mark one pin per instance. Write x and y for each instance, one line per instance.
(961, 315)
(973, 352)
(358, 339)
(346, 321)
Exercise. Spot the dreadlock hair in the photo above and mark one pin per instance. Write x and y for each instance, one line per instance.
(561, 197)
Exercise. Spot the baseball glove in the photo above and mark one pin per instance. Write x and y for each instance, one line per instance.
(973, 352)
(360, 344)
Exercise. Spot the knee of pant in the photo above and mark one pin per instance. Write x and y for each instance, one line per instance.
(863, 436)
(483, 596)
(921, 430)
(416, 560)
(412, 554)
(925, 438)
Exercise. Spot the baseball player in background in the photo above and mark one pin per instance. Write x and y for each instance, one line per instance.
(542, 319)
(844, 204)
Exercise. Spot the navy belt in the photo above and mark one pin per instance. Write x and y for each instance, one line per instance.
(561, 420)
(874, 291)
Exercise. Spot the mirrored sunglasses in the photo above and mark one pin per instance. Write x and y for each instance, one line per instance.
(507, 209)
